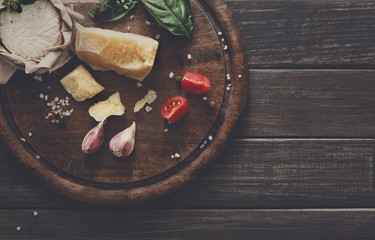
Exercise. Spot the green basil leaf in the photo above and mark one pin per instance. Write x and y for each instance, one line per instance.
(173, 15)
(112, 10)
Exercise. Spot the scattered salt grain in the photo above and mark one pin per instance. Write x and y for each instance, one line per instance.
(37, 156)
(189, 56)
(240, 76)
(220, 33)
(225, 47)
(228, 76)
(23, 139)
(46, 97)
(139, 84)
(210, 138)
(18, 228)
(177, 155)
(151, 96)
(30, 134)
(56, 99)
(157, 36)
(132, 17)
(204, 98)
(229, 85)
(166, 130)
(228, 88)
(171, 75)
(35, 213)
(202, 146)
(223, 40)
(148, 23)
(148, 108)
(128, 28)
(39, 78)
(172, 156)
(41, 95)
(205, 142)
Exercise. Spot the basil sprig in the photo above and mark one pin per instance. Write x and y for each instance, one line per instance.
(174, 15)
(112, 10)
(14, 5)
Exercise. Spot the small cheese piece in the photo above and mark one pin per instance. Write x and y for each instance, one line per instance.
(32, 32)
(80, 84)
(139, 105)
(112, 106)
(127, 54)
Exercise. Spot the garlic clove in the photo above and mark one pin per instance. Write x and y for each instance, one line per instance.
(122, 144)
(93, 139)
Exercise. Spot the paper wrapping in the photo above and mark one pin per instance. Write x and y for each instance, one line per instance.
(55, 58)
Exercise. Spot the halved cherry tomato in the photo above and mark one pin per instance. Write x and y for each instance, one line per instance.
(195, 83)
(174, 109)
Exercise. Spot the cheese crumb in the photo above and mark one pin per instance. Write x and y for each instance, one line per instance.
(172, 156)
(157, 36)
(128, 28)
(148, 22)
(139, 84)
(148, 108)
(39, 78)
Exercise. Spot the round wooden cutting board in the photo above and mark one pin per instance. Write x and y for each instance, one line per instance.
(52, 151)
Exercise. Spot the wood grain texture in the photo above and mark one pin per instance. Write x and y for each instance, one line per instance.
(307, 34)
(314, 103)
(187, 224)
(252, 173)
(53, 152)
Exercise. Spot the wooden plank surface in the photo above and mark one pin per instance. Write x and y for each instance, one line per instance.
(307, 34)
(189, 224)
(318, 103)
(252, 173)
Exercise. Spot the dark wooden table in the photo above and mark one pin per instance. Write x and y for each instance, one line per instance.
(300, 164)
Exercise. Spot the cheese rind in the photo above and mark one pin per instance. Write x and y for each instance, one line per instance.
(112, 106)
(127, 54)
(81, 84)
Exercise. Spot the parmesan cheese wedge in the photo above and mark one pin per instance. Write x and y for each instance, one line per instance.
(80, 84)
(112, 106)
(33, 32)
(127, 54)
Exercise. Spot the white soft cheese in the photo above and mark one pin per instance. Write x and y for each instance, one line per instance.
(32, 32)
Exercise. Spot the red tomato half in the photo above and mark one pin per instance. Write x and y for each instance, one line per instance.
(174, 109)
(195, 83)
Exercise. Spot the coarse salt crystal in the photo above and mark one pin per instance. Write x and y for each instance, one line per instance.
(30, 134)
(229, 85)
(39, 78)
(172, 156)
(222, 39)
(18, 228)
(148, 108)
(157, 36)
(189, 56)
(177, 155)
(23, 139)
(228, 76)
(37, 156)
(225, 47)
(205, 142)
(228, 88)
(240, 76)
(132, 17)
(46, 97)
(171, 75)
(220, 33)
(35, 213)
(41, 95)
(210, 138)
(202, 146)
(128, 28)
(151, 96)
(166, 130)
(71, 110)
(56, 99)
(204, 98)
(148, 22)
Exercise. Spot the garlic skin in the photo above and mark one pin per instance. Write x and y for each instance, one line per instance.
(122, 144)
(93, 139)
